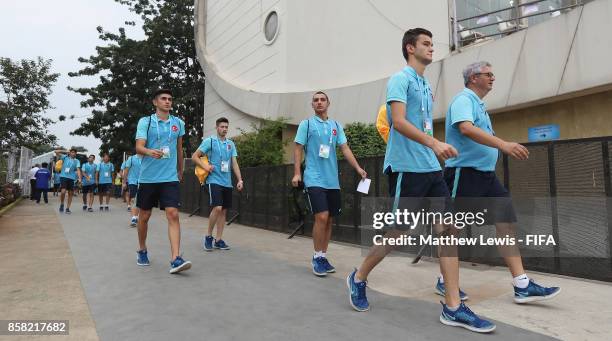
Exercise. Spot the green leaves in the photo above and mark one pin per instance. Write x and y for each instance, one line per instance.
(263, 146)
(25, 86)
(364, 140)
(131, 70)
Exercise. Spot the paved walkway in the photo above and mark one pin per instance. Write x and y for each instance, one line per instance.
(261, 289)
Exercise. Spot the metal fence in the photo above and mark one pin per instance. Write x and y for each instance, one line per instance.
(555, 171)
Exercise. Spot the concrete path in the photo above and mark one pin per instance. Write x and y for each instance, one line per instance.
(261, 289)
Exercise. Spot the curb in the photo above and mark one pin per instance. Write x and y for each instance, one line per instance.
(9, 206)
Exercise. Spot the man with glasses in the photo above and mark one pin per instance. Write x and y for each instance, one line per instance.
(415, 175)
(159, 138)
(472, 173)
(318, 137)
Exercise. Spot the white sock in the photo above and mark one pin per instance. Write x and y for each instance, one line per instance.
(323, 254)
(441, 278)
(134, 217)
(452, 308)
(521, 281)
(318, 254)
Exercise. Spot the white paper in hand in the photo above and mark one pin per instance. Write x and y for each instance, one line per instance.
(364, 186)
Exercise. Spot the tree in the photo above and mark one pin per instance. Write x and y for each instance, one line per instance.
(130, 71)
(25, 87)
(263, 146)
(364, 140)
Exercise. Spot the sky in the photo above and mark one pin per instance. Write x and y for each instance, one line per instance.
(63, 30)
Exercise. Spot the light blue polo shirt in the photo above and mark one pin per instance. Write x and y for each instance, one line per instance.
(312, 133)
(161, 133)
(106, 172)
(221, 150)
(89, 169)
(69, 167)
(467, 106)
(123, 165)
(132, 164)
(403, 154)
(56, 178)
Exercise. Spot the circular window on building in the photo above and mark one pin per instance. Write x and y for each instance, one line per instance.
(271, 27)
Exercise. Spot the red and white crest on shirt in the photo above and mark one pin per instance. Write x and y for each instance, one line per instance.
(334, 132)
(229, 146)
(174, 128)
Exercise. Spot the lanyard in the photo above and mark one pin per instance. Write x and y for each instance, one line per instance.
(331, 131)
(223, 153)
(69, 164)
(157, 128)
(424, 91)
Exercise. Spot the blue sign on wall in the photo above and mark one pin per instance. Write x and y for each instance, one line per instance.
(544, 133)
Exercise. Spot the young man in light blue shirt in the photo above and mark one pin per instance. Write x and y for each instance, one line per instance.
(71, 172)
(222, 155)
(414, 172)
(131, 171)
(472, 173)
(89, 182)
(159, 138)
(56, 182)
(104, 179)
(318, 137)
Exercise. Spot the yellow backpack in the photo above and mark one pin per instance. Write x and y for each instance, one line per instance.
(58, 165)
(200, 172)
(382, 123)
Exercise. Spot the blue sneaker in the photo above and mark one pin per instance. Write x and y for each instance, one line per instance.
(357, 293)
(84, 207)
(179, 264)
(67, 211)
(220, 244)
(207, 243)
(464, 317)
(328, 267)
(318, 266)
(134, 222)
(61, 208)
(441, 290)
(106, 208)
(534, 292)
(142, 259)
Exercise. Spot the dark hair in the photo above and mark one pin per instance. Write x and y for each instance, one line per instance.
(221, 120)
(45, 165)
(105, 154)
(92, 155)
(321, 93)
(161, 92)
(73, 149)
(410, 38)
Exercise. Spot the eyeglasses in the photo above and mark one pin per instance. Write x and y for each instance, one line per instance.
(488, 74)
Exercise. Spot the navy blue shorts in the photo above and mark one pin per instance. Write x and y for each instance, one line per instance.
(133, 189)
(104, 188)
(219, 196)
(480, 186)
(419, 191)
(67, 184)
(322, 199)
(162, 194)
(87, 188)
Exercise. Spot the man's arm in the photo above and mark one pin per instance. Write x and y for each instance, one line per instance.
(180, 159)
(297, 162)
(348, 155)
(513, 149)
(142, 150)
(237, 173)
(398, 115)
(79, 174)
